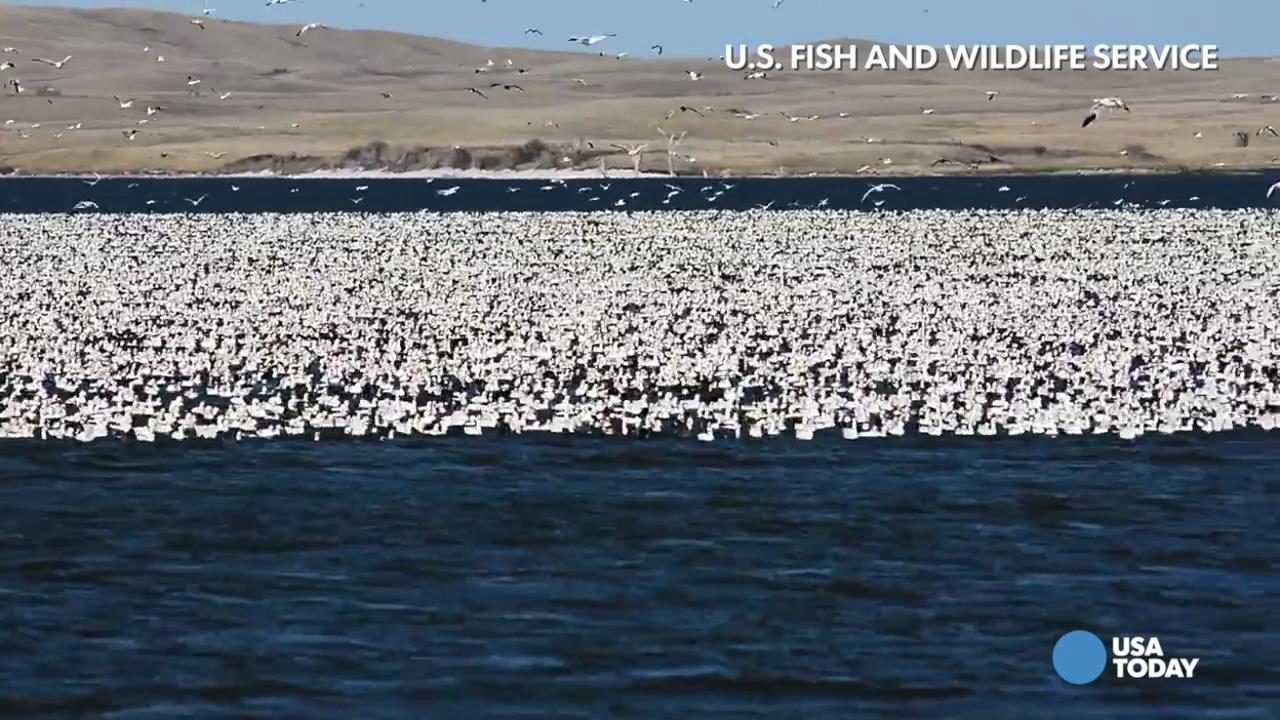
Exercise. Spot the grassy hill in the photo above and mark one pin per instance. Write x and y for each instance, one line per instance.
(317, 100)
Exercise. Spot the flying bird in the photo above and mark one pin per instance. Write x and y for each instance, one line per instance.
(507, 87)
(656, 49)
(1110, 103)
(993, 94)
(1099, 104)
(124, 104)
(684, 109)
(879, 188)
(307, 28)
(55, 63)
(477, 91)
(532, 31)
(592, 39)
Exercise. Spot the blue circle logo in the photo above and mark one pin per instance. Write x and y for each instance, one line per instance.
(1079, 657)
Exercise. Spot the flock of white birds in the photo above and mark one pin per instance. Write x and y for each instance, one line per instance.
(707, 324)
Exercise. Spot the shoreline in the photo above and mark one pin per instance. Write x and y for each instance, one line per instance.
(454, 174)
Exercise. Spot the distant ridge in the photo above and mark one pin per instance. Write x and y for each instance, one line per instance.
(268, 98)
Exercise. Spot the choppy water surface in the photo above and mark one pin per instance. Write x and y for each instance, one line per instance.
(580, 577)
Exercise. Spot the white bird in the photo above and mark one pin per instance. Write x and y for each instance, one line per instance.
(196, 202)
(993, 94)
(449, 191)
(1099, 104)
(85, 205)
(878, 188)
(694, 74)
(6, 65)
(1110, 103)
(124, 104)
(592, 39)
(57, 64)
(1271, 190)
(308, 27)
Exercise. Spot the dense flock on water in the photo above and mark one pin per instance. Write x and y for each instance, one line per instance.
(708, 324)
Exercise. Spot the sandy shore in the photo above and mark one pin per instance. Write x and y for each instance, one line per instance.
(472, 174)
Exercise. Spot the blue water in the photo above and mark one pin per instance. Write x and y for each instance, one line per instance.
(577, 577)
(595, 578)
(258, 194)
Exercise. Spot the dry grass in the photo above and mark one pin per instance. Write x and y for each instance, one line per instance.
(329, 82)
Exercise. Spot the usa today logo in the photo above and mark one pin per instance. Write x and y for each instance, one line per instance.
(1079, 657)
